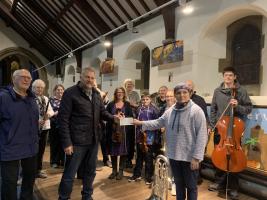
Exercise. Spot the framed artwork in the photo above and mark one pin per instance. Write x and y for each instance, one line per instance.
(170, 53)
(107, 66)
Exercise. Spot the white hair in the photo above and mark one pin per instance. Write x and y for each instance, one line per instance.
(38, 82)
(127, 80)
(18, 72)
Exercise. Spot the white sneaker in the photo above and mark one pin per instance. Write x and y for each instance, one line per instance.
(173, 192)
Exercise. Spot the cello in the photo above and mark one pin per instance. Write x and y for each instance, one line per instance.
(228, 154)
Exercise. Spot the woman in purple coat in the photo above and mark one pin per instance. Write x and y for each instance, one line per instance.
(116, 135)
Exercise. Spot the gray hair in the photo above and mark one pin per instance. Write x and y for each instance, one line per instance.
(18, 72)
(87, 69)
(38, 82)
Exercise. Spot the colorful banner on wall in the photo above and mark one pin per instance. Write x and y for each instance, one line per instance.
(170, 53)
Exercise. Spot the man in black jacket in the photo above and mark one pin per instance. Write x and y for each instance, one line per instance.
(80, 112)
(197, 99)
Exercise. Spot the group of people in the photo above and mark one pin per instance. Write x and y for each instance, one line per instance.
(75, 119)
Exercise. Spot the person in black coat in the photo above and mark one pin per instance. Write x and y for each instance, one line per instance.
(198, 99)
(80, 113)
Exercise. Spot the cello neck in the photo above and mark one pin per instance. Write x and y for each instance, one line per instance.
(231, 123)
(231, 119)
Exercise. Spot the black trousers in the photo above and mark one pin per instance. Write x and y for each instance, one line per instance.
(185, 180)
(221, 179)
(103, 143)
(10, 172)
(42, 144)
(130, 142)
(148, 158)
(56, 151)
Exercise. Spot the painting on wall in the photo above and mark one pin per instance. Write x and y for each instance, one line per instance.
(107, 66)
(170, 53)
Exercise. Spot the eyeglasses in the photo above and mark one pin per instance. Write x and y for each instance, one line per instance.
(28, 78)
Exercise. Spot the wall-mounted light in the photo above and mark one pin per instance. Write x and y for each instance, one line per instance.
(188, 9)
(107, 43)
(104, 41)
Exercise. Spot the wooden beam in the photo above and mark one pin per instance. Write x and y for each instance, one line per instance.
(97, 33)
(105, 13)
(51, 23)
(143, 3)
(14, 5)
(109, 49)
(168, 14)
(115, 13)
(78, 56)
(19, 28)
(93, 16)
(64, 10)
(123, 10)
(83, 33)
(133, 8)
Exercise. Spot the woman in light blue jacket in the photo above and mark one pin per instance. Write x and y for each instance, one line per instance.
(186, 138)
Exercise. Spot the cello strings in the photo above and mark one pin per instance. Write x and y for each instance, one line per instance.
(213, 128)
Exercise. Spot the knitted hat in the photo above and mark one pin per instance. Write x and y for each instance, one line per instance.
(181, 86)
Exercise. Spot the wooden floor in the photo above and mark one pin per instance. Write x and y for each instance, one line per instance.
(105, 189)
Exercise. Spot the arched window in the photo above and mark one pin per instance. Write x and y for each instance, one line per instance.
(246, 54)
(71, 72)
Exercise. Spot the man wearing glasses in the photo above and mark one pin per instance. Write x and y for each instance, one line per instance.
(18, 136)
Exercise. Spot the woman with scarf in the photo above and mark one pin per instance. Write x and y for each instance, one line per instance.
(186, 137)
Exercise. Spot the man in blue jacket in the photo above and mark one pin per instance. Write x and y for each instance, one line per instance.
(18, 136)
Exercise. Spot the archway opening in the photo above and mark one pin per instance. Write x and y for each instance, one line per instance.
(137, 62)
(20, 58)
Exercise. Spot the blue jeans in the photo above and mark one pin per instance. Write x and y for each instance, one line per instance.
(87, 154)
(184, 178)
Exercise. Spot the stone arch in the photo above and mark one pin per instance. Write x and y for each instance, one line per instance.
(134, 48)
(95, 63)
(212, 46)
(31, 56)
(228, 16)
(71, 73)
(71, 70)
(137, 62)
